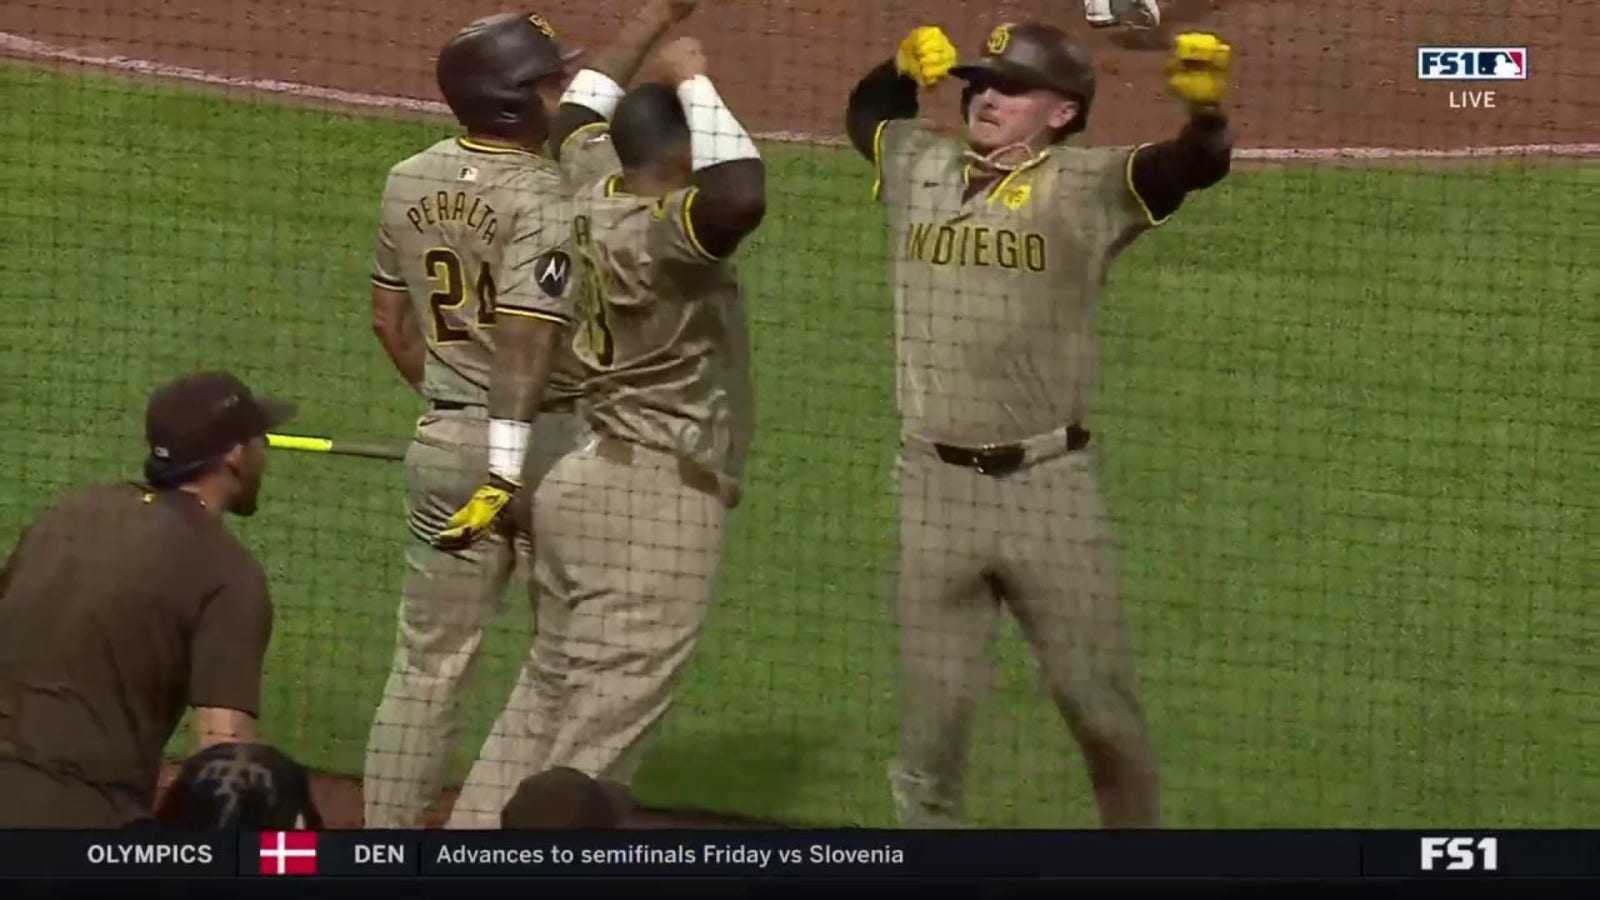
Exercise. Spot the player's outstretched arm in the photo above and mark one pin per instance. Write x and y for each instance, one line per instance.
(1163, 174)
(889, 91)
(596, 89)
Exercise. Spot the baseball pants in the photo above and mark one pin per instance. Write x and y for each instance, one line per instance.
(1038, 543)
(626, 562)
(446, 601)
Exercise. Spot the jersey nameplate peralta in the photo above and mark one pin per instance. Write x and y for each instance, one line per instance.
(455, 208)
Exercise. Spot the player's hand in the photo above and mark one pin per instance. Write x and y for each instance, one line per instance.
(925, 56)
(1197, 71)
(680, 61)
(481, 515)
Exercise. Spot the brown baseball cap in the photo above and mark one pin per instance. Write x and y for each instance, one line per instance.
(195, 418)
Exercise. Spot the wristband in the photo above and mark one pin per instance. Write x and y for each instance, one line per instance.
(594, 90)
(715, 136)
(508, 444)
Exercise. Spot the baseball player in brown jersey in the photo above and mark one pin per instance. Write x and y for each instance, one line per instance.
(468, 258)
(1002, 244)
(631, 523)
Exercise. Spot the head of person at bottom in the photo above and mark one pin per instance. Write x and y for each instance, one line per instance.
(240, 786)
(207, 435)
(561, 798)
(650, 132)
(1031, 88)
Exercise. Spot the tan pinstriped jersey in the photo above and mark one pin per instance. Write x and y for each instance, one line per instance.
(660, 326)
(464, 230)
(995, 296)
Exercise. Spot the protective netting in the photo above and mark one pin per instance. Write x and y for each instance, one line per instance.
(1344, 428)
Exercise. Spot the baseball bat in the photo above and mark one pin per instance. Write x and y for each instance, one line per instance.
(310, 444)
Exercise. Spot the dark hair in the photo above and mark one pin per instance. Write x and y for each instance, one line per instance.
(649, 126)
(163, 475)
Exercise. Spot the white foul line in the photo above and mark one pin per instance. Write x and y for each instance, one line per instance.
(17, 45)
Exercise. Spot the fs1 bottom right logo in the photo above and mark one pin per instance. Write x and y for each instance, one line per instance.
(1472, 63)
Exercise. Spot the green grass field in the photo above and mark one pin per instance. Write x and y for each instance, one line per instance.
(1347, 425)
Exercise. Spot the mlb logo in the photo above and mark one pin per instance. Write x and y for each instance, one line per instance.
(288, 853)
(1472, 63)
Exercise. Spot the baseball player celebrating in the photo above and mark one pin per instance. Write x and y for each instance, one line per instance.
(468, 268)
(1003, 241)
(631, 524)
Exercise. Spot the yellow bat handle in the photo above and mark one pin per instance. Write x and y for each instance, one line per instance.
(296, 442)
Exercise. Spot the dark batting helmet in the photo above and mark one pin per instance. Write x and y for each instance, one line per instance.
(1037, 55)
(489, 73)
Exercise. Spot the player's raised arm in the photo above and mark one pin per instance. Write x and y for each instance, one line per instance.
(1162, 174)
(596, 89)
(729, 195)
(889, 91)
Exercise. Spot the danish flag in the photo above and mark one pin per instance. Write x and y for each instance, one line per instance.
(288, 853)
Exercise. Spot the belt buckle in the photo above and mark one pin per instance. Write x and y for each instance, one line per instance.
(998, 461)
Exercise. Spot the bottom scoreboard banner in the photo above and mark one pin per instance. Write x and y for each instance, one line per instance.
(850, 854)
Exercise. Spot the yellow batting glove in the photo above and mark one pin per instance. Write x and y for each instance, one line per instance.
(1197, 71)
(472, 522)
(925, 56)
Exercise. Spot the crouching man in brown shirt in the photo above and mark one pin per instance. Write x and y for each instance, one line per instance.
(123, 605)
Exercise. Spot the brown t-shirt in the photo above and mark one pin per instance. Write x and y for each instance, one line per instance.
(119, 609)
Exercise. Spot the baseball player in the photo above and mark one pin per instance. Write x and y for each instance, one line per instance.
(124, 606)
(1133, 13)
(468, 269)
(631, 524)
(1003, 239)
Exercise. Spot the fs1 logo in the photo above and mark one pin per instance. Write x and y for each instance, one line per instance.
(1464, 854)
(1472, 63)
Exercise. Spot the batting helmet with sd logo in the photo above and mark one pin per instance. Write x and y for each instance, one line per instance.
(1036, 55)
(490, 71)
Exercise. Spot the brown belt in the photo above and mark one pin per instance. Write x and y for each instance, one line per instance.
(453, 405)
(693, 477)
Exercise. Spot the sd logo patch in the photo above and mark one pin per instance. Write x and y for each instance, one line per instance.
(999, 40)
(1018, 197)
(540, 23)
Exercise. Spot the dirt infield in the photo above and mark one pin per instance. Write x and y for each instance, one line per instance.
(1311, 74)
